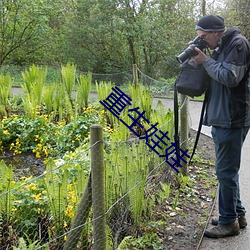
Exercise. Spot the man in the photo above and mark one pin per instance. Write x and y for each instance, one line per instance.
(228, 112)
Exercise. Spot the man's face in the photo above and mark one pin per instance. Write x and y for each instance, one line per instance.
(211, 38)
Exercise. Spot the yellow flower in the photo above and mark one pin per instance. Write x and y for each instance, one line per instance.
(14, 209)
(69, 211)
(38, 156)
(31, 186)
(6, 132)
(45, 151)
(37, 196)
(17, 152)
(73, 199)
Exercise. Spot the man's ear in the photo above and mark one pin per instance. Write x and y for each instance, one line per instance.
(219, 34)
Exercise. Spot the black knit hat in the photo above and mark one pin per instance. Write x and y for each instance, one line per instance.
(211, 23)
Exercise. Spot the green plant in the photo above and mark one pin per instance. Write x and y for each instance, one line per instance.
(23, 134)
(183, 181)
(56, 188)
(48, 98)
(6, 184)
(165, 118)
(146, 102)
(147, 241)
(121, 132)
(164, 192)
(176, 199)
(34, 81)
(5, 90)
(142, 98)
(59, 100)
(68, 74)
(44, 137)
(30, 207)
(83, 91)
(136, 179)
(104, 89)
(29, 245)
(48, 203)
(6, 204)
(125, 177)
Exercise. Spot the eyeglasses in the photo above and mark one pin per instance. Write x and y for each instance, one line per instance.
(203, 36)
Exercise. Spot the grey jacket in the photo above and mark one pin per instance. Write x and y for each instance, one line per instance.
(228, 103)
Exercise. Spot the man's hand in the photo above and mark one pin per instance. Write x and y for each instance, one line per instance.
(200, 58)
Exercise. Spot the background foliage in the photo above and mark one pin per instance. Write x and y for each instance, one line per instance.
(106, 36)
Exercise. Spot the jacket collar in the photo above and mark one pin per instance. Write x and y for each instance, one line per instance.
(231, 32)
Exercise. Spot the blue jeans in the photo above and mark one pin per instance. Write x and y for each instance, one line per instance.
(228, 145)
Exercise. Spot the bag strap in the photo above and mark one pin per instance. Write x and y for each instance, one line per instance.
(201, 116)
(199, 127)
(176, 122)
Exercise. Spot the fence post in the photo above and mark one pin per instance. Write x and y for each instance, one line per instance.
(135, 74)
(98, 196)
(80, 218)
(184, 128)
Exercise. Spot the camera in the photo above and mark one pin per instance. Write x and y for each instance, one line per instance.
(190, 51)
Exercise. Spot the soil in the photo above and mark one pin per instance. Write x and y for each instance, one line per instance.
(179, 219)
(25, 164)
(187, 223)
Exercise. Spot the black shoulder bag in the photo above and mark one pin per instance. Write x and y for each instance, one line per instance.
(192, 81)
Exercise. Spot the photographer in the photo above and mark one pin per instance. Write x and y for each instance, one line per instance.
(228, 112)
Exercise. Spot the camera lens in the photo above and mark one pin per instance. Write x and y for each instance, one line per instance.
(190, 51)
(187, 53)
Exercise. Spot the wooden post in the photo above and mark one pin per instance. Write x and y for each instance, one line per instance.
(80, 218)
(98, 196)
(184, 128)
(135, 74)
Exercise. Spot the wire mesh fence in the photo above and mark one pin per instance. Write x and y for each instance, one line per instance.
(57, 209)
(47, 210)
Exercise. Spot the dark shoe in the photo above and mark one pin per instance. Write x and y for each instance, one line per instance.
(221, 231)
(241, 219)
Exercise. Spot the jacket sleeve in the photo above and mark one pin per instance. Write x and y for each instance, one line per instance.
(232, 69)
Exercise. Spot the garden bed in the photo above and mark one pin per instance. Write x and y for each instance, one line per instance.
(186, 225)
(180, 217)
(178, 220)
(149, 206)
